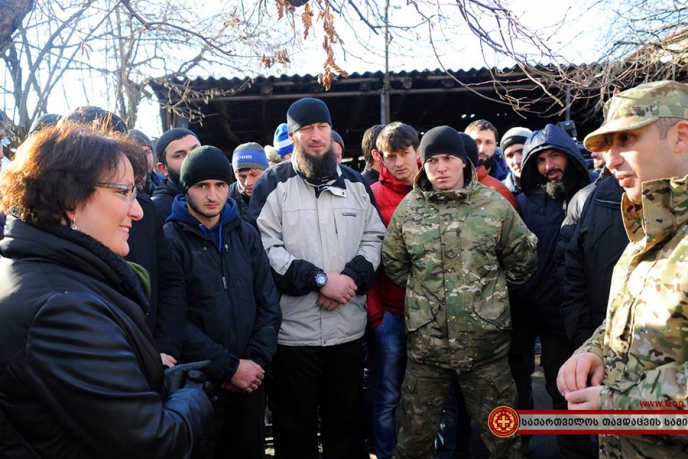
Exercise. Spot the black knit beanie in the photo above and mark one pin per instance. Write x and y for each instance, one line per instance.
(140, 138)
(204, 163)
(338, 138)
(307, 111)
(471, 148)
(442, 140)
(170, 136)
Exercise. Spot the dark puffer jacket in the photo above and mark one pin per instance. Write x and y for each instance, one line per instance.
(163, 197)
(597, 244)
(80, 375)
(241, 201)
(544, 215)
(234, 310)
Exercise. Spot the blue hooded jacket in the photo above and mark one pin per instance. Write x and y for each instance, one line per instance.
(544, 215)
(234, 310)
(499, 168)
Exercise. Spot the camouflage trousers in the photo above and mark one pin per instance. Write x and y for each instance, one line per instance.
(425, 391)
(643, 446)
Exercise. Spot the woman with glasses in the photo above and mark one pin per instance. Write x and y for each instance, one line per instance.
(80, 374)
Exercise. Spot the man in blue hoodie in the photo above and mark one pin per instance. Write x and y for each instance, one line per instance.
(553, 170)
(234, 312)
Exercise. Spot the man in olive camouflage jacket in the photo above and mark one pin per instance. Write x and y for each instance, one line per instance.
(640, 353)
(455, 244)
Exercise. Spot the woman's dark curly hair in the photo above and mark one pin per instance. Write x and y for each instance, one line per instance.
(56, 169)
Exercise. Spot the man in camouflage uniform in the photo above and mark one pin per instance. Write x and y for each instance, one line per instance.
(640, 352)
(455, 244)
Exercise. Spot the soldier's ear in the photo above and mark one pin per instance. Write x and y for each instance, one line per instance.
(681, 137)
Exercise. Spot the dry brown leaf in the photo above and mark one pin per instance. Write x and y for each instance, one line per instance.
(307, 19)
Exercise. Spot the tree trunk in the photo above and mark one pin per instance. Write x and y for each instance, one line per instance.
(12, 14)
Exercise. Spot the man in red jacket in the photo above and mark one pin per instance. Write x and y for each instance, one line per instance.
(398, 146)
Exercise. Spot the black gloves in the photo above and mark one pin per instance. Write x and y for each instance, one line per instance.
(195, 379)
(184, 375)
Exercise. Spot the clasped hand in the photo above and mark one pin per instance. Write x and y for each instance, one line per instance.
(248, 377)
(339, 289)
(572, 381)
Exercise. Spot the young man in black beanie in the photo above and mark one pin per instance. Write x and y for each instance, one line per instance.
(454, 244)
(171, 149)
(234, 312)
(323, 235)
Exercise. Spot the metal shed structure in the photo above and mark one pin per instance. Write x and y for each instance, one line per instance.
(239, 110)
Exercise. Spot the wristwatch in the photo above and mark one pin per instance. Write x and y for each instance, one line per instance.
(321, 279)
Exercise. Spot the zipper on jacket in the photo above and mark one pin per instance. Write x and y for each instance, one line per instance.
(222, 268)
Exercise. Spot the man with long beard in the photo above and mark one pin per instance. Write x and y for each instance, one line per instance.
(323, 236)
(553, 171)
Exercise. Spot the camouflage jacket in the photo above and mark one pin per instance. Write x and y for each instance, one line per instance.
(455, 251)
(644, 339)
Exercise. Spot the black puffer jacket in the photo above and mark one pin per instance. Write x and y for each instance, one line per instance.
(544, 215)
(234, 310)
(163, 197)
(80, 375)
(597, 244)
(241, 201)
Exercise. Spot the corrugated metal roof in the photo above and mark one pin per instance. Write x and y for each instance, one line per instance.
(238, 110)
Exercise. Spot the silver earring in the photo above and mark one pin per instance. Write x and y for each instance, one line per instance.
(73, 226)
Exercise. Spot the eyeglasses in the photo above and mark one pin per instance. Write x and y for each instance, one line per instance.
(127, 190)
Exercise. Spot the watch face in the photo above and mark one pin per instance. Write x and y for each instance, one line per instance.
(321, 279)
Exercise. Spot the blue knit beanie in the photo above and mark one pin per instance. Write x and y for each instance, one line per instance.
(249, 156)
(282, 142)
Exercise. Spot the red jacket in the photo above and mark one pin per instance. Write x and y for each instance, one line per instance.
(496, 185)
(385, 294)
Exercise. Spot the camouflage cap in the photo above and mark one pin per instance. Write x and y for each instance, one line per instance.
(638, 107)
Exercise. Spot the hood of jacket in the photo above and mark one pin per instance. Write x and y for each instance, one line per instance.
(551, 137)
(229, 217)
(499, 168)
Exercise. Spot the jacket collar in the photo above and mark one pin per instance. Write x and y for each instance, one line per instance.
(662, 212)
(387, 179)
(481, 172)
(229, 219)
(168, 188)
(335, 184)
(74, 250)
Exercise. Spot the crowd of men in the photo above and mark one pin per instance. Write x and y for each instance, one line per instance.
(437, 268)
